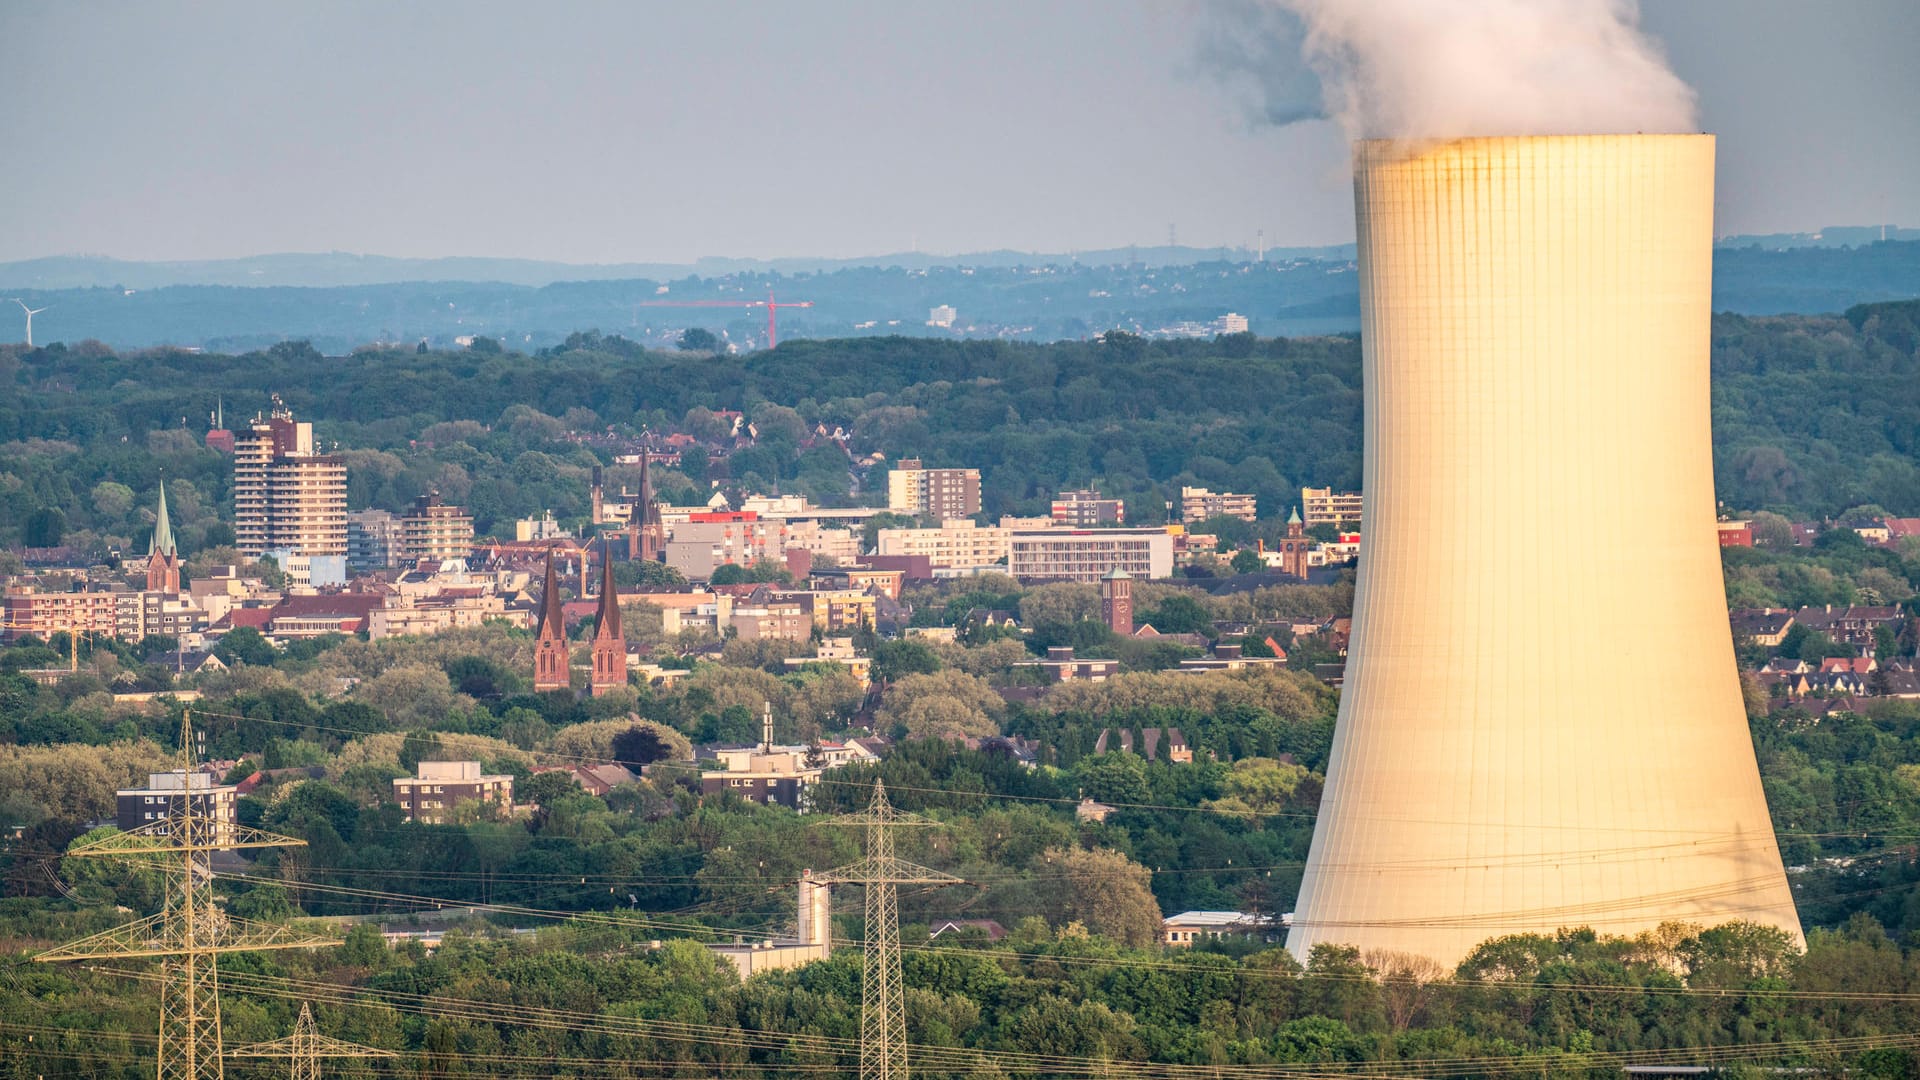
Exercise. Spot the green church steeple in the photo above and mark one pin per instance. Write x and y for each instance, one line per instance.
(162, 528)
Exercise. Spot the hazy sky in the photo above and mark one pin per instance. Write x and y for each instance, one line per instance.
(604, 132)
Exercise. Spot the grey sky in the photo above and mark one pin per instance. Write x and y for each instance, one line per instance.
(632, 132)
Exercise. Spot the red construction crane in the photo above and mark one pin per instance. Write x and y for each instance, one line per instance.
(773, 309)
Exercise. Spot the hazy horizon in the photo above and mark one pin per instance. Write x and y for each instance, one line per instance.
(596, 135)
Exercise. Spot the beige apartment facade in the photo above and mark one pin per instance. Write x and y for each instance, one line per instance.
(1199, 504)
(287, 496)
(959, 543)
(433, 531)
(698, 548)
(1325, 506)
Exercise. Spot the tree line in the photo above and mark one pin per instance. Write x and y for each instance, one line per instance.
(1812, 415)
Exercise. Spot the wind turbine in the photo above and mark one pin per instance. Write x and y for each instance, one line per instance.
(31, 312)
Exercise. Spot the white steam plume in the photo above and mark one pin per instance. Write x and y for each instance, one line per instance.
(1445, 68)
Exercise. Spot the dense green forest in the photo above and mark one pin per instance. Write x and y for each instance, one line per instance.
(1812, 415)
(1077, 986)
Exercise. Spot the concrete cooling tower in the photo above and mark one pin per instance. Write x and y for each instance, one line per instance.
(1542, 723)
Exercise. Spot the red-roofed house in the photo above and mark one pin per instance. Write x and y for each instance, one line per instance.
(327, 613)
(595, 779)
(1899, 529)
(255, 617)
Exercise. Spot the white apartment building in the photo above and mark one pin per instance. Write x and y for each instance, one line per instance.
(430, 795)
(936, 493)
(1088, 554)
(957, 544)
(1199, 504)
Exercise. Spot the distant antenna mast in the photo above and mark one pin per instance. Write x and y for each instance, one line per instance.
(1260, 245)
(1173, 236)
(31, 312)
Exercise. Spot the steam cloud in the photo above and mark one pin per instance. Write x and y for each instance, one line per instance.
(1444, 68)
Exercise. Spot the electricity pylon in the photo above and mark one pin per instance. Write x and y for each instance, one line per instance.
(306, 1046)
(191, 932)
(883, 1007)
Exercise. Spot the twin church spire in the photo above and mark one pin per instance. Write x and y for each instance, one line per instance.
(552, 666)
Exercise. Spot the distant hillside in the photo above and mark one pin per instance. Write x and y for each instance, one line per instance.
(1000, 297)
(338, 268)
(1831, 236)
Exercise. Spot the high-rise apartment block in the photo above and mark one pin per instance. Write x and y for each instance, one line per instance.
(934, 493)
(1087, 510)
(286, 496)
(433, 531)
(1325, 506)
(372, 538)
(1199, 504)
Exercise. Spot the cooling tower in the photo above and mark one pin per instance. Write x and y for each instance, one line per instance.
(1542, 723)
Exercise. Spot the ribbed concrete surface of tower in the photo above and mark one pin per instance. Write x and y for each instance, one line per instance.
(1542, 725)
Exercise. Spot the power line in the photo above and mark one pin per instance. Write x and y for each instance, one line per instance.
(1063, 801)
(191, 932)
(883, 1005)
(607, 921)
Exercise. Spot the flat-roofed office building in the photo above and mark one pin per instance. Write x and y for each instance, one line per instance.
(1089, 554)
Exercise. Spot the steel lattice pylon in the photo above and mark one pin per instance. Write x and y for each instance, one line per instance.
(883, 1011)
(192, 931)
(306, 1046)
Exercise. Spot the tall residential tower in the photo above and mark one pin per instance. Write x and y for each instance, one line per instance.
(287, 497)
